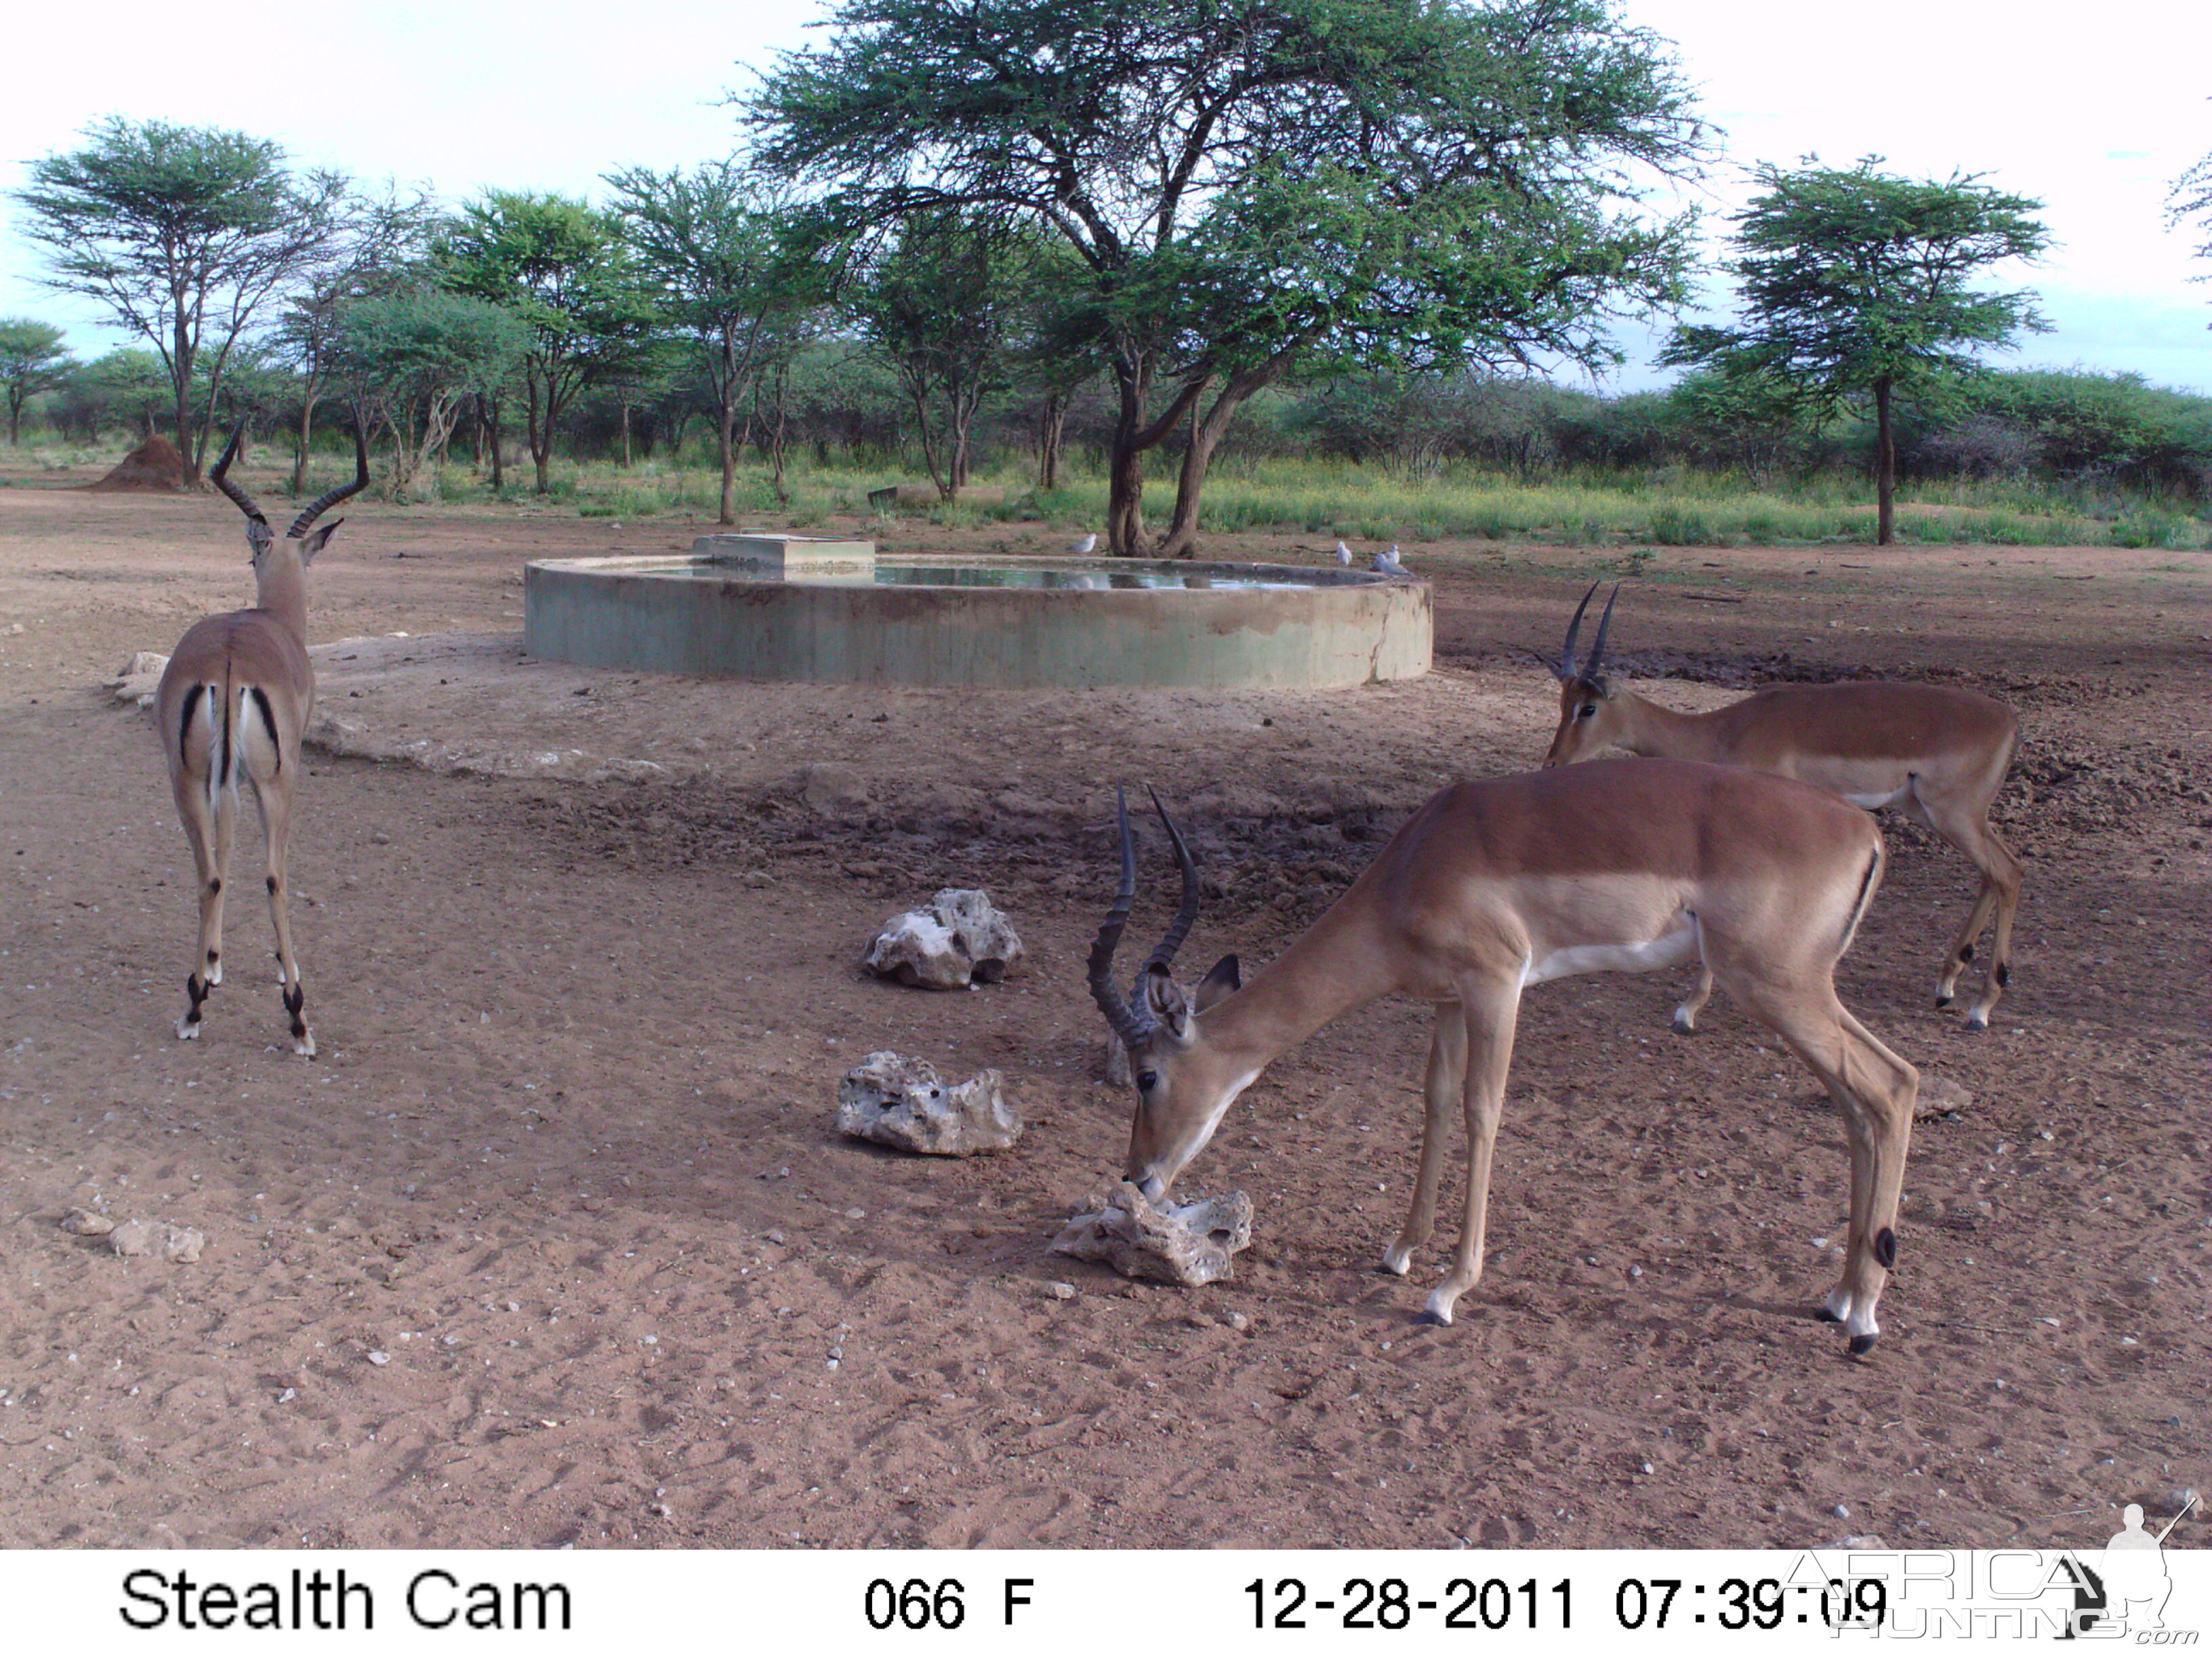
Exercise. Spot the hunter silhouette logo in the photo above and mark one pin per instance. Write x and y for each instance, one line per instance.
(2127, 1591)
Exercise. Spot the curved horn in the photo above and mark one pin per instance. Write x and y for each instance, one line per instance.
(1126, 1025)
(323, 503)
(1597, 645)
(220, 481)
(1565, 671)
(1164, 953)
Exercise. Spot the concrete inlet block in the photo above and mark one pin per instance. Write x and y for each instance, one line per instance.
(790, 557)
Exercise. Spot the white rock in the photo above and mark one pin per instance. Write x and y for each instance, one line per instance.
(960, 940)
(137, 679)
(87, 1224)
(171, 1243)
(904, 1104)
(1186, 1244)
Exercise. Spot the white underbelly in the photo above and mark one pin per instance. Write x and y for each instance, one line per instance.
(1892, 797)
(1665, 951)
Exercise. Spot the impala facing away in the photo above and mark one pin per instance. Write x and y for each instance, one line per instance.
(1496, 885)
(1938, 755)
(232, 706)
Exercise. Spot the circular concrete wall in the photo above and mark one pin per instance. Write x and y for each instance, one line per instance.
(1229, 625)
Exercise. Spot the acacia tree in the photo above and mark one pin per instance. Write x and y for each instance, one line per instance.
(717, 246)
(939, 307)
(32, 359)
(412, 361)
(563, 269)
(2191, 198)
(1384, 182)
(374, 248)
(184, 234)
(1856, 285)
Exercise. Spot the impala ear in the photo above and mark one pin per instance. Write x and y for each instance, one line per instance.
(1165, 1001)
(312, 542)
(1220, 980)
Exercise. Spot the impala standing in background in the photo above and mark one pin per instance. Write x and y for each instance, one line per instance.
(1937, 753)
(1496, 886)
(232, 706)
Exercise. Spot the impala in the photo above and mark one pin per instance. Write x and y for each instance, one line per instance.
(1496, 886)
(231, 707)
(1937, 753)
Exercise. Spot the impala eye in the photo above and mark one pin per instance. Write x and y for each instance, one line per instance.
(1146, 1080)
(1586, 711)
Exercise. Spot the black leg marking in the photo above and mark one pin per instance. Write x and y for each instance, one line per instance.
(185, 724)
(272, 883)
(214, 956)
(1860, 1344)
(1966, 953)
(196, 988)
(268, 723)
(296, 999)
(2004, 974)
(215, 886)
(1884, 1248)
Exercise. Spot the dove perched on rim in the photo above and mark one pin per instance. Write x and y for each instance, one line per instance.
(1087, 544)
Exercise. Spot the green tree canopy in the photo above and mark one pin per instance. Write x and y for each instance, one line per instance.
(375, 247)
(562, 268)
(1856, 283)
(32, 359)
(413, 359)
(717, 248)
(184, 234)
(1385, 182)
(941, 306)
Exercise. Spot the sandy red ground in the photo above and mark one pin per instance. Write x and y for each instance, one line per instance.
(581, 950)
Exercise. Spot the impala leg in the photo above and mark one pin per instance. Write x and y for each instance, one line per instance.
(209, 827)
(1490, 1018)
(1686, 1012)
(1440, 1094)
(1874, 1090)
(1968, 829)
(275, 802)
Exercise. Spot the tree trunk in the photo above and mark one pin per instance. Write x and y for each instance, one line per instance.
(727, 431)
(307, 437)
(1205, 435)
(1884, 467)
(625, 425)
(491, 414)
(540, 432)
(1052, 426)
(1125, 464)
(180, 375)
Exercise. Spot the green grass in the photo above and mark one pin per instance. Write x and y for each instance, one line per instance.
(1668, 507)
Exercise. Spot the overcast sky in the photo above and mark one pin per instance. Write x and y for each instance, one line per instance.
(2094, 111)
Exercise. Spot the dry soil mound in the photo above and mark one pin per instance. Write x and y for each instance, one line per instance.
(155, 465)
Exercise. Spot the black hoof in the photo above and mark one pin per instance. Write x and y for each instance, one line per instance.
(1943, 1000)
(1683, 1028)
(1826, 1317)
(1860, 1344)
(1428, 1318)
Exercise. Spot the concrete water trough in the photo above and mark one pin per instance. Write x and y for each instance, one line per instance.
(790, 608)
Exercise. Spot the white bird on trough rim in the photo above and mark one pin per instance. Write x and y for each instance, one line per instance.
(1388, 564)
(1343, 553)
(1088, 544)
